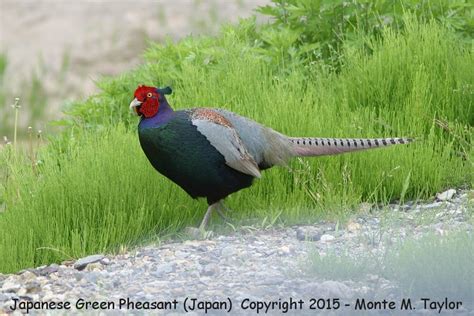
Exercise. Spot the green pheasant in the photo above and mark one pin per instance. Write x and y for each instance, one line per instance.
(212, 153)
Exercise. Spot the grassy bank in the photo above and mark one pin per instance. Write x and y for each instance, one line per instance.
(94, 190)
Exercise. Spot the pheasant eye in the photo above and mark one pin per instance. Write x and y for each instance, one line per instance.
(149, 95)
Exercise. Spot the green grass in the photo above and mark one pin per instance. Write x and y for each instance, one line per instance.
(95, 190)
(432, 266)
(68, 211)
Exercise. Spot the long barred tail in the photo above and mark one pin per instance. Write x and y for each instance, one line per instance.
(309, 146)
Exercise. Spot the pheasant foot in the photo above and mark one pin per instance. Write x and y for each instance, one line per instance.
(224, 207)
(220, 208)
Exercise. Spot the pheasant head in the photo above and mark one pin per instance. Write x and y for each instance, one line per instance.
(148, 99)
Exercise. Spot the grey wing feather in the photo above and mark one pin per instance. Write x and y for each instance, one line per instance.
(267, 146)
(226, 140)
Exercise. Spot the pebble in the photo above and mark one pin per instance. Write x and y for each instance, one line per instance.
(327, 237)
(257, 264)
(83, 262)
(163, 269)
(353, 227)
(446, 195)
(27, 276)
(9, 285)
(93, 266)
(336, 289)
(308, 234)
(210, 270)
(48, 270)
(105, 261)
(284, 250)
(228, 252)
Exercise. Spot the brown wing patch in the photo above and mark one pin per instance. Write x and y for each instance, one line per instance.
(210, 115)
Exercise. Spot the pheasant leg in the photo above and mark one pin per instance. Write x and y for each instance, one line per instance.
(224, 207)
(221, 213)
(207, 217)
(220, 208)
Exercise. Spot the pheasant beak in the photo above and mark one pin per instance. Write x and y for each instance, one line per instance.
(134, 105)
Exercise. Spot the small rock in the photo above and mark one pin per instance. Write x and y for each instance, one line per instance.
(307, 234)
(4, 297)
(336, 289)
(181, 254)
(21, 292)
(96, 266)
(32, 287)
(440, 215)
(372, 277)
(10, 285)
(228, 252)
(49, 296)
(353, 227)
(327, 237)
(28, 276)
(78, 276)
(284, 250)
(204, 261)
(92, 276)
(105, 261)
(267, 279)
(210, 269)
(202, 248)
(164, 269)
(311, 287)
(192, 243)
(48, 270)
(432, 205)
(34, 297)
(53, 276)
(329, 227)
(67, 263)
(446, 195)
(83, 262)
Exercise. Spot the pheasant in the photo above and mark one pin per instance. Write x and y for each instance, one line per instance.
(212, 153)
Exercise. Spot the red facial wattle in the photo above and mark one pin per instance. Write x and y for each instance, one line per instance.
(149, 107)
(148, 100)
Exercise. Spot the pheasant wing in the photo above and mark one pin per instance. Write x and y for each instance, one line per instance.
(222, 135)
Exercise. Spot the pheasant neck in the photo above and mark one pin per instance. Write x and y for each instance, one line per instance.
(165, 113)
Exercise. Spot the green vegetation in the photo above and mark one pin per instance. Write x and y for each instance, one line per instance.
(320, 30)
(3, 66)
(92, 190)
(432, 266)
(72, 211)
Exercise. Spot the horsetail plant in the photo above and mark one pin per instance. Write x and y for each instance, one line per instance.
(30, 148)
(17, 107)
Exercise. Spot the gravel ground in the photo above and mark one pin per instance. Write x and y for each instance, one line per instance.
(246, 266)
